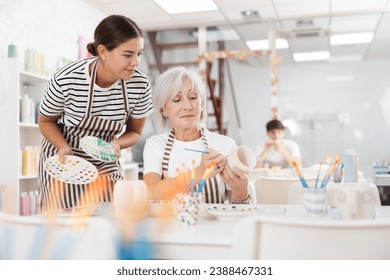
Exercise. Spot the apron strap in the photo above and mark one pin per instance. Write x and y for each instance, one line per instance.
(91, 86)
(167, 153)
(211, 189)
(206, 143)
(125, 99)
(91, 92)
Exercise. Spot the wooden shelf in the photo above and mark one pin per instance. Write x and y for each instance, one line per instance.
(31, 77)
(27, 177)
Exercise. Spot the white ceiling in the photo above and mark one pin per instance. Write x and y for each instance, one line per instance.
(327, 17)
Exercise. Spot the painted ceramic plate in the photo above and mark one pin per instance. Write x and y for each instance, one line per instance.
(98, 148)
(74, 170)
(232, 211)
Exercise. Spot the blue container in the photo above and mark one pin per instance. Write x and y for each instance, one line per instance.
(351, 166)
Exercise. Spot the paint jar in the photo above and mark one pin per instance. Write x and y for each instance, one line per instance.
(12, 50)
(24, 204)
(350, 166)
(314, 201)
(187, 207)
(33, 203)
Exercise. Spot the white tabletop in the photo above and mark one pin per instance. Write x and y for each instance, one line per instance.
(213, 238)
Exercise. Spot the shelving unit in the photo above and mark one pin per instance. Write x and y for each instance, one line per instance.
(15, 134)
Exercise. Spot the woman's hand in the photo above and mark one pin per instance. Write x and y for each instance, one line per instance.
(237, 180)
(116, 146)
(268, 145)
(63, 152)
(207, 159)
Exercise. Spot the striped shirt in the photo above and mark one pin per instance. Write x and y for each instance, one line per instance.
(67, 95)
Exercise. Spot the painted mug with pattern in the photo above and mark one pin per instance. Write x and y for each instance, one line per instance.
(356, 201)
(243, 158)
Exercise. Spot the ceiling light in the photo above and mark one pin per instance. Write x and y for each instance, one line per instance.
(351, 38)
(310, 56)
(250, 15)
(180, 6)
(280, 43)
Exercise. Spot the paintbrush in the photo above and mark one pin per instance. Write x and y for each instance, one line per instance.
(318, 175)
(330, 172)
(206, 175)
(298, 171)
(197, 151)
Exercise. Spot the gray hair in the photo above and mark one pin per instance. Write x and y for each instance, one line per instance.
(169, 84)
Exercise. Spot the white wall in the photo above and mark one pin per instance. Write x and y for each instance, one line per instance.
(304, 89)
(47, 26)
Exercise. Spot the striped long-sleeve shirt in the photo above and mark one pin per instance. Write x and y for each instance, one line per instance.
(67, 94)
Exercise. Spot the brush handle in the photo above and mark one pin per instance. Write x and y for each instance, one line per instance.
(303, 182)
(197, 151)
(201, 185)
(317, 180)
(325, 181)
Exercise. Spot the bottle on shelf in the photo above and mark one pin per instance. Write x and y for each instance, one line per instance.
(33, 203)
(24, 204)
(27, 110)
(30, 203)
(351, 166)
(30, 158)
(12, 50)
(38, 203)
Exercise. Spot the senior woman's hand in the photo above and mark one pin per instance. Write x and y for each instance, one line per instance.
(207, 159)
(237, 180)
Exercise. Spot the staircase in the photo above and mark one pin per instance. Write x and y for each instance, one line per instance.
(215, 98)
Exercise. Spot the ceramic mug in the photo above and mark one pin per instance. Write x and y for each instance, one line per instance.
(130, 198)
(242, 157)
(314, 201)
(357, 200)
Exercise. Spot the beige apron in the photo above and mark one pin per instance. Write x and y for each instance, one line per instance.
(210, 190)
(58, 195)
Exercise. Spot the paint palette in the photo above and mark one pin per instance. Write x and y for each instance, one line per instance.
(75, 170)
(98, 148)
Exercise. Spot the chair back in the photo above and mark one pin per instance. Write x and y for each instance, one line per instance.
(295, 195)
(257, 173)
(44, 237)
(276, 238)
(274, 190)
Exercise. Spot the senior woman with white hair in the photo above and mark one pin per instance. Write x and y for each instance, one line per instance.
(179, 100)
